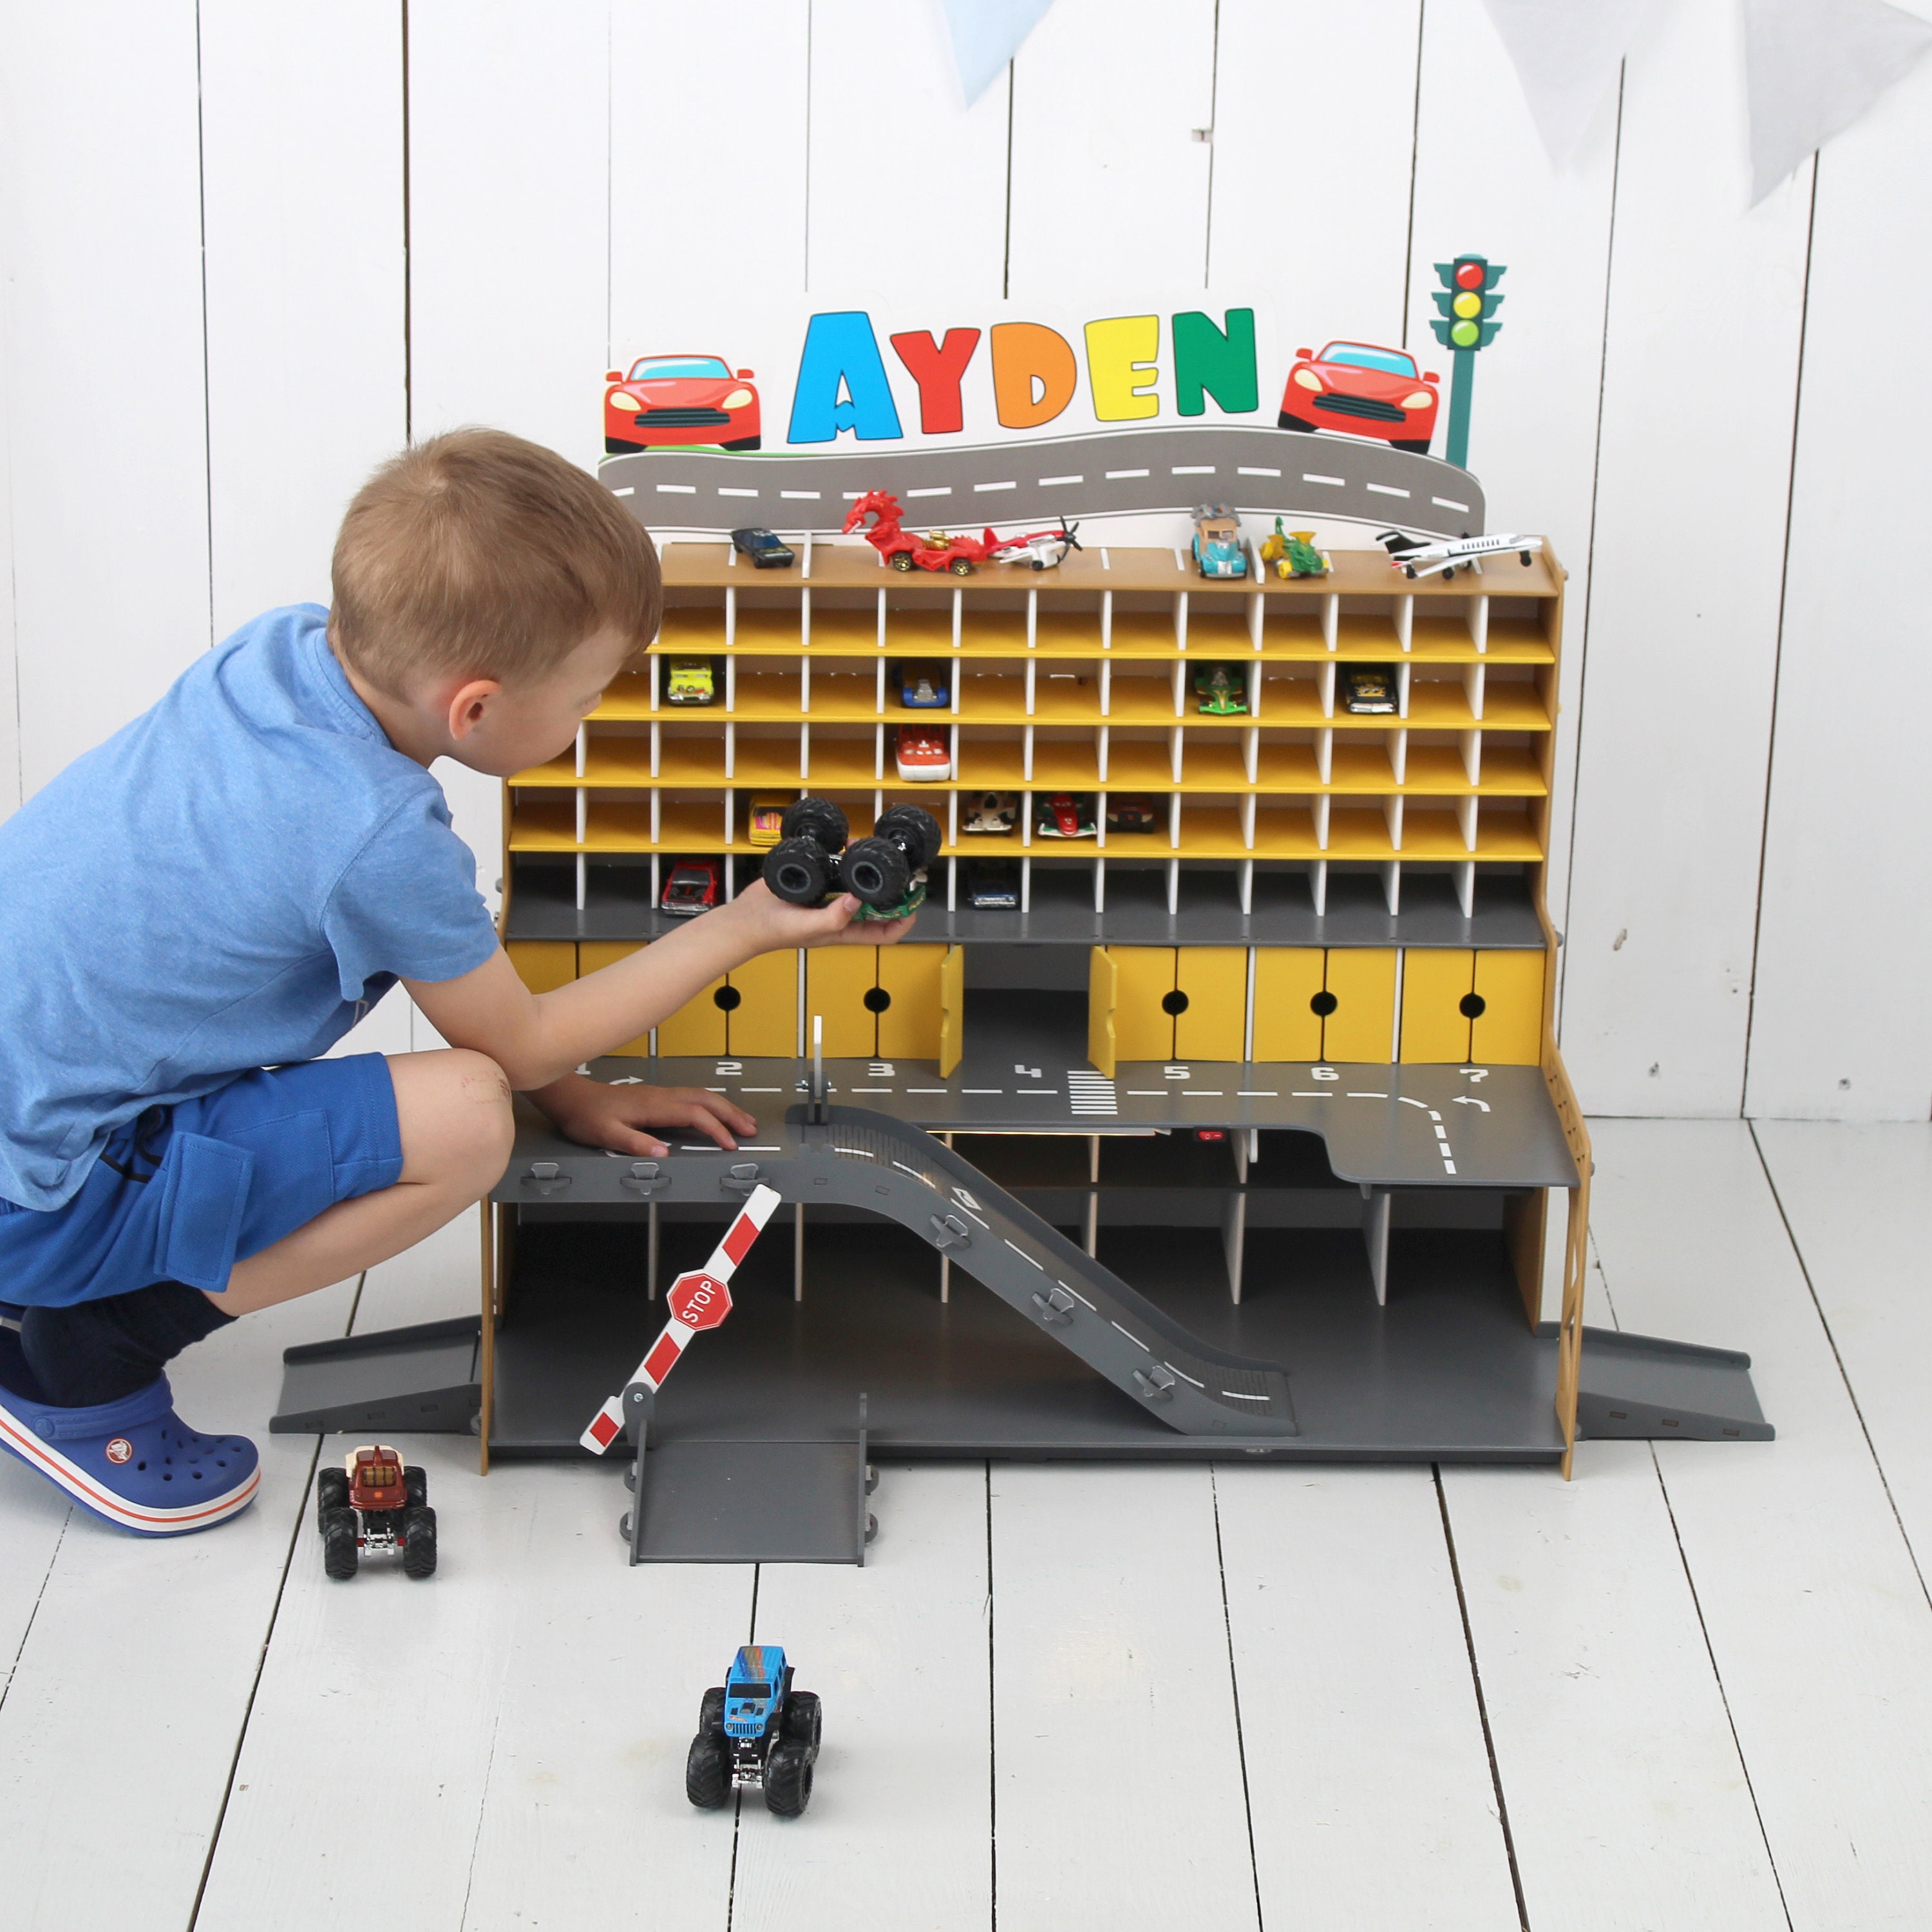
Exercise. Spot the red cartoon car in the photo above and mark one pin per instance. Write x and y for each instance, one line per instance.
(672, 400)
(1366, 391)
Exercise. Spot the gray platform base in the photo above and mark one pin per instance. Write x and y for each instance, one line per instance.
(424, 1379)
(760, 1502)
(1638, 1386)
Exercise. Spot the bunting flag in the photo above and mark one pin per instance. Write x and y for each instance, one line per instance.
(1814, 67)
(986, 35)
(1566, 53)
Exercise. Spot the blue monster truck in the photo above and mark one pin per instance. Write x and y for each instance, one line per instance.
(754, 1729)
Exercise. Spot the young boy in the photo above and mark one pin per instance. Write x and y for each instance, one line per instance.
(195, 910)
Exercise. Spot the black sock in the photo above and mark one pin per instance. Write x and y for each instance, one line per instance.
(90, 1352)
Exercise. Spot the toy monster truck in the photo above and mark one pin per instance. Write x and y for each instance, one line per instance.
(885, 873)
(754, 1729)
(374, 1506)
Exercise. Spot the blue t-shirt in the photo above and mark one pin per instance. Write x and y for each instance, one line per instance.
(230, 882)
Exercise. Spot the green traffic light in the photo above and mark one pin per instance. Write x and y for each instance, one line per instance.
(1464, 335)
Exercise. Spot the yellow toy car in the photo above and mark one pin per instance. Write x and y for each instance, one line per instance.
(767, 819)
(689, 681)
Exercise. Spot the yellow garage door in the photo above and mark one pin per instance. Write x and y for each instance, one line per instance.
(1360, 1023)
(1288, 980)
(1435, 984)
(592, 956)
(1508, 1031)
(837, 979)
(763, 1023)
(1212, 981)
(909, 1004)
(1143, 990)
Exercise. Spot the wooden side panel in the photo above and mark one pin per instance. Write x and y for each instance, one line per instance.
(697, 1028)
(1215, 980)
(1435, 981)
(1286, 979)
(764, 1023)
(910, 976)
(1361, 980)
(837, 979)
(1103, 980)
(1508, 1032)
(1143, 1028)
(544, 964)
(952, 1008)
(592, 955)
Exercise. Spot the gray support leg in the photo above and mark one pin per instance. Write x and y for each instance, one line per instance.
(651, 1255)
(1092, 1227)
(639, 1414)
(1234, 1239)
(798, 1251)
(1376, 1207)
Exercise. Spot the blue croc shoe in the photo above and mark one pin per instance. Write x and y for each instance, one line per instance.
(133, 1462)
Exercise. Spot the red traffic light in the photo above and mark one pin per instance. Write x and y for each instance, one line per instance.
(1471, 274)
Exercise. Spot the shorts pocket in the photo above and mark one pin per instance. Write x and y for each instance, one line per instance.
(204, 1185)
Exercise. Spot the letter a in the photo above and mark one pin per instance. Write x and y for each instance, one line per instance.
(841, 351)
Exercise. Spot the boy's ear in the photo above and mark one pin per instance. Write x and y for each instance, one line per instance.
(468, 704)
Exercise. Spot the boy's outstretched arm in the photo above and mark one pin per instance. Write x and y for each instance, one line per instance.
(539, 1039)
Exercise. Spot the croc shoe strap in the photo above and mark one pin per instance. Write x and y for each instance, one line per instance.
(106, 1418)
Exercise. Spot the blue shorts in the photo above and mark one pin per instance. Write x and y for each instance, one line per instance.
(183, 1193)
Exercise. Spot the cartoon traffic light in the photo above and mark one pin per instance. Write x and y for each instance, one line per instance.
(1465, 303)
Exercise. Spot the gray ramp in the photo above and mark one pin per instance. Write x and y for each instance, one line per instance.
(855, 1158)
(1641, 1386)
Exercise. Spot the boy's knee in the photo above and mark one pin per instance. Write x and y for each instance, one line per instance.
(454, 1108)
(481, 1110)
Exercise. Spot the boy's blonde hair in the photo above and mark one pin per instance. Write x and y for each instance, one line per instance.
(478, 553)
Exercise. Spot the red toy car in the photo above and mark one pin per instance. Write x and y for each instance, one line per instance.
(693, 887)
(923, 753)
(673, 400)
(1063, 815)
(1367, 390)
(902, 550)
(374, 1506)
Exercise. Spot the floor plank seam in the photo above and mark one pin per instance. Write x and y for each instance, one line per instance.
(1234, 1693)
(20, 1648)
(1482, 1703)
(1844, 1376)
(992, 1722)
(482, 1813)
(255, 1686)
(738, 1797)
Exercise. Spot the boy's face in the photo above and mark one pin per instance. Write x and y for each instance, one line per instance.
(514, 727)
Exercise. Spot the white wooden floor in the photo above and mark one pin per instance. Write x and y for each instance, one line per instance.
(1691, 1689)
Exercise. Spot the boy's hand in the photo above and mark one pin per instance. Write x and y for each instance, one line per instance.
(617, 1117)
(771, 925)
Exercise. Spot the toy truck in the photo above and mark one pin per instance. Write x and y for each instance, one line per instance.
(755, 1729)
(374, 1506)
(885, 872)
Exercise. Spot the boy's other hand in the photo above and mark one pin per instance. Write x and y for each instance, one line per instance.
(620, 1118)
(773, 926)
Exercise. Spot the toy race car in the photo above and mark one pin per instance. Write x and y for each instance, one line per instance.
(765, 817)
(885, 872)
(1217, 542)
(693, 886)
(1220, 690)
(689, 681)
(1368, 687)
(1293, 553)
(922, 687)
(755, 1729)
(1063, 815)
(993, 885)
(923, 753)
(764, 548)
(374, 1506)
(991, 814)
(1131, 813)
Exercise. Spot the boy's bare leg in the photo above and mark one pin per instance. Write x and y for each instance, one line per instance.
(453, 1108)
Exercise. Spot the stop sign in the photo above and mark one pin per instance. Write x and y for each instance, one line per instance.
(698, 1300)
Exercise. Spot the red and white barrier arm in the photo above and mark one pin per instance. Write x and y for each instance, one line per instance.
(699, 1300)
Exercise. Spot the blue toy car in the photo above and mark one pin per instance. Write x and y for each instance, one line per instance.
(754, 1729)
(1217, 542)
(923, 687)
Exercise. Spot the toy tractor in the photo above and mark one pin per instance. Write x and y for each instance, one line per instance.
(886, 872)
(374, 1506)
(754, 1729)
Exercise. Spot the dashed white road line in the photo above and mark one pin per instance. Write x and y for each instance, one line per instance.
(1123, 475)
(677, 489)
(1448, 503)
(1368, 1097)
(1311, 1097)
(1385, 490)
(800, 495)
(1192, 469)
(1048, 482)
(1245, 472)
(1308, 476)
(725, 490)
(941, 490)
(628, 490)
(981, 488)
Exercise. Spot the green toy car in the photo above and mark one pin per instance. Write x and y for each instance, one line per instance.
(1293, 553)
(1220, 690)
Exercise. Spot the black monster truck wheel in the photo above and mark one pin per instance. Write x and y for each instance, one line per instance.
(332, 1493)
(914, 830)
(803, 1719)
(707, 1772)
(419, 1542)
(788, 1779)
(876, 872)
(817, 818)
(338, 1543)
(798, 872)
(711, 1713)
(416, 1486)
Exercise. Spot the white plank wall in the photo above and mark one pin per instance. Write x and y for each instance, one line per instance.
(180, 436)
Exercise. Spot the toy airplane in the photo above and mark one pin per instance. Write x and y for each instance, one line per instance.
(1042, 549)
(1414, 558)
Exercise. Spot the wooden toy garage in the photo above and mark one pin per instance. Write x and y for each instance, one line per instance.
(1257, 1073)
